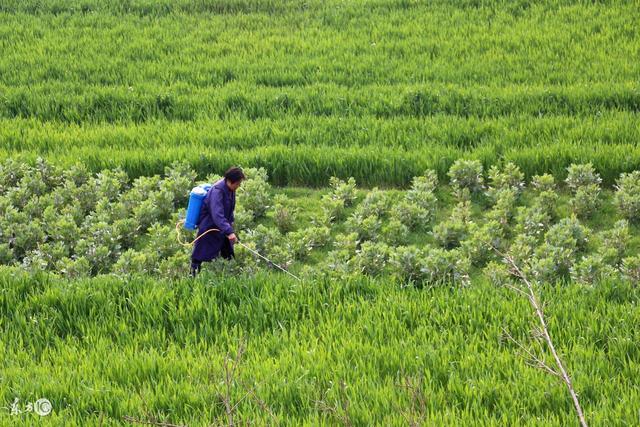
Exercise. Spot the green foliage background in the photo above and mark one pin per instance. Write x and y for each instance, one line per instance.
(378, 90)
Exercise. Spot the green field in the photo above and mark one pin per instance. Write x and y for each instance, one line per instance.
(105, 346)
(476, 131)
(378, 90)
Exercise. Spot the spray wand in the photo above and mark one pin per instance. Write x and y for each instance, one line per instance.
(187, 244)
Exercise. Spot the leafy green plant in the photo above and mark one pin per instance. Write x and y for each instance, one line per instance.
(627, 197)
(504, 209)
(284, 213)
(367, 227)
(303, 241)
(585, 201)
(429, 266)
(371, 258)
(479, 247)
(331, 210)
(510, 177)
(544, 182)
(394, 232)
(613, 243)
(466, 174)
(564, 241)
(581, 175)
(345, 191)
(255, 192)
(375, 203)
(592, 269)
(411, 215)
(422, 190)
(631, 269)
(450, 233)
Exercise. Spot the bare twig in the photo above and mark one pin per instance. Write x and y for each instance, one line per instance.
(417, 397)
(539, 362)
(229, 377)
(227, 397)
(341, 413)
(544, 332)
(231, 369)
(517, 290)
(263, 405)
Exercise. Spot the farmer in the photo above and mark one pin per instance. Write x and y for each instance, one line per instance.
(217, 212)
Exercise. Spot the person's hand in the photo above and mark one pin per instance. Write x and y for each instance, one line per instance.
(232, 238)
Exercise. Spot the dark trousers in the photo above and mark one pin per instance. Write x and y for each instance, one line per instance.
(226, 252)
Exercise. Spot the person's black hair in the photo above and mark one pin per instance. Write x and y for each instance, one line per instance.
(234, 174)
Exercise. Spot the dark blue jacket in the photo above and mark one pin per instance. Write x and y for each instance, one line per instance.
(216, 212)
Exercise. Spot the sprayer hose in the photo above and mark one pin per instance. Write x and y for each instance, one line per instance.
(241, 244)
(195, 240)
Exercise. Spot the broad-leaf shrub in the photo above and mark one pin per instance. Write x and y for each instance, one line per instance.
(284, 214)
(417, 209)
(451, 232)
(271, 244)
(504, 209)
(74, 267)
(109, 183)
(586, 201)
(564, 241)
(371, 258)
(11, 172)
(303, 241)
(580, 175)
(544, 182)
(429, 266)
(376, 203)
(411, 215)
(466, 174)
(591, 269)
(177, 177)
(331, 210)
(613, 243)
(75, 228)
(345, 191)
(422, 190)
(627, 197)
(510, 177)
(584, 182)
(631, 269)
(367, 227)
(394, 232)
(536, 219)
(482, 242)
(254, 193)
(133, 262)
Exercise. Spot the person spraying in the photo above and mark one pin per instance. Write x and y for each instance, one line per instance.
(217, 214)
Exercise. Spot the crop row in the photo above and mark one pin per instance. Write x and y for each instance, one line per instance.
(344, 43)
(370, 165)
(73, 223)
(79, 103)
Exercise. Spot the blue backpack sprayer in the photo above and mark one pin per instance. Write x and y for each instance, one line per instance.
(196, 197)
(192, 219)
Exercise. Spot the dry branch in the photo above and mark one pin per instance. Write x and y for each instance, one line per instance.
(530, 294)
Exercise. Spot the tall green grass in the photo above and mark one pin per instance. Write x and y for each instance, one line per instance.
(74, 103)
(370, 165)
(315, 89)
(101, 346)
